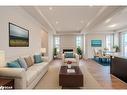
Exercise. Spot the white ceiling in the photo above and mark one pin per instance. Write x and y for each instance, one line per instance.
(114, 23)
(69, 19)
(79, 19)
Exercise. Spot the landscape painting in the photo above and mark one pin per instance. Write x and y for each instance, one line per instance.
(96, 43)
(18, 36)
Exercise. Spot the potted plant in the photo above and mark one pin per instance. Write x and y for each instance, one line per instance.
(117, 49)
(54, 52)
(79, 52)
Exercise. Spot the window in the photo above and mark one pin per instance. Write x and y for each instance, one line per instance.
(109, 41)
(124, 43)
(57, 43)
(79, 41)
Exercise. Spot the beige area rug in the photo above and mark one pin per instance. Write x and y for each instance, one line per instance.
(51, 78)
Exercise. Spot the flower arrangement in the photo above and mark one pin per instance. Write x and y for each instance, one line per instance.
(69, 62)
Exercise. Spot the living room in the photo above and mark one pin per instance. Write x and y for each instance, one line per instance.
(63, 47)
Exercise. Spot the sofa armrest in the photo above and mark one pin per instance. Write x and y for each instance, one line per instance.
(12, 72)
(77, 58)
(45, 59)
(63, 57)
(17, 73)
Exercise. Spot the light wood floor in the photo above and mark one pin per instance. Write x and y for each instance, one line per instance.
(102, 75)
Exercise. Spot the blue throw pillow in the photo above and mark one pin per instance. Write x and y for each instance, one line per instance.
(14, 64)
(69, 55)
(37, 59)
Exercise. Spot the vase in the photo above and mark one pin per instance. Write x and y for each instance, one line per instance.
(69, 65)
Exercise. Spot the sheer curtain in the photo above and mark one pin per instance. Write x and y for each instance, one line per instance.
(57, 43)
(109, 41)
(123, 43)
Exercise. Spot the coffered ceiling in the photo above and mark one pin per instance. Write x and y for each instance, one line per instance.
(79, 19)
(113, 23)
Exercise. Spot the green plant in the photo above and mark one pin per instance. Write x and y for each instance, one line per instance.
(79, 51)
(55, 51)
(117, 49)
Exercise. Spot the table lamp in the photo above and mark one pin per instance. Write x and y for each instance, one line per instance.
(43, 50)
(2, 58)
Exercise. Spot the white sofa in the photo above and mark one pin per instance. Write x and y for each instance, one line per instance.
(26, 79)
(75, 61)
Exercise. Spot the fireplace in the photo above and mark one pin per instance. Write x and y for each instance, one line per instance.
(67, 50)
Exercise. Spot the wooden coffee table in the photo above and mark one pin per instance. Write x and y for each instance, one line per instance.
(70, 79)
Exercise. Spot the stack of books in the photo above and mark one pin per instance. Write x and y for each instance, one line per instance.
(71, 70)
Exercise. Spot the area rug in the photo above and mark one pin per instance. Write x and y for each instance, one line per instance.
(102, 63)
(51, 79)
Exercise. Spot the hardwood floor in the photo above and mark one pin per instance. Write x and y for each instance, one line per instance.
(103, 76)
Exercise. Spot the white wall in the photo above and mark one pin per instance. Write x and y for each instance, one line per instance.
(45, 41)
(50, 46)
(93, 36)
(19, 17)
(67, 42)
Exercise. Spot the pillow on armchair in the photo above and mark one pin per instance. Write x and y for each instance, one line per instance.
(69, 55)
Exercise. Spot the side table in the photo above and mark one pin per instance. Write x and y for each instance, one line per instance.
(6, 83)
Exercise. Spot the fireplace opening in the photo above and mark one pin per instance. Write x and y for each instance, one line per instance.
(67, 50)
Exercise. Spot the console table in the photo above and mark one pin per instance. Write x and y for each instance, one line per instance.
(118, 67)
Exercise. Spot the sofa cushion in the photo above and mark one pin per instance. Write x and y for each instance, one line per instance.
(38, 59)
(14, 64)
(33, 71)
(69, 55)
(23, 63)
(70, 59)
(28, 61)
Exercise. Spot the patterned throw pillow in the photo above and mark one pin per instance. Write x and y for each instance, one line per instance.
(23, 63)
(69, 55)
(29, 61)
(37, 59)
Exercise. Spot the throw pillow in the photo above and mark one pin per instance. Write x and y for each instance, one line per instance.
(69, 55)
(28, 61)
(14, 64)
(23, 63)
(37, 59)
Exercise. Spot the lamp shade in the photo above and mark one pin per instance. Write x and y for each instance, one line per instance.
(2, 58)
(43, 50)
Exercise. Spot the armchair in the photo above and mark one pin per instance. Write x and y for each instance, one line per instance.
(74, 59)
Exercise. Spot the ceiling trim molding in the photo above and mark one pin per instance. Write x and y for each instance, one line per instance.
(91, 21)
(123, 29)
(111, 13)
(25, 9)
(39, 11)
(104, 32)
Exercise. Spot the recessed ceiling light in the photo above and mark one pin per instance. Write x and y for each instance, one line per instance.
(108, 20)
(87, 24)
(57, 22)
(113, 25)
(50, 8)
